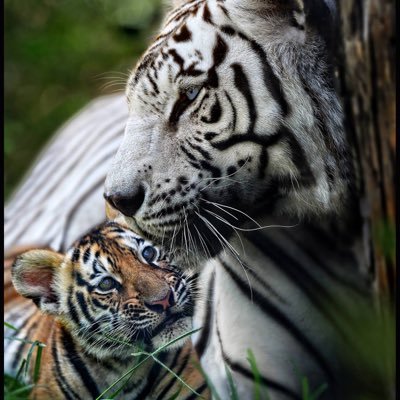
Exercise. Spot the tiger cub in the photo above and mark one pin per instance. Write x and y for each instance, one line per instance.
(111, 295)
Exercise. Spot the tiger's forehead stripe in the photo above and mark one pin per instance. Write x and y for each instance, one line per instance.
(179, 32)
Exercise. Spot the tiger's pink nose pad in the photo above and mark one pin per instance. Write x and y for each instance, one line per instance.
(162, 305)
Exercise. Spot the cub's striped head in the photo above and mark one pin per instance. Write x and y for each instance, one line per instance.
(232, 110)
(112, 286)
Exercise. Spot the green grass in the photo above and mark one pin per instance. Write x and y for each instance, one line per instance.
(15, 387)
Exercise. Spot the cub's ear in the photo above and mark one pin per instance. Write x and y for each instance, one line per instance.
(33, 274)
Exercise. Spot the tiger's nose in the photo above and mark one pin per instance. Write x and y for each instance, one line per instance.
(161, 305)
(127, 205)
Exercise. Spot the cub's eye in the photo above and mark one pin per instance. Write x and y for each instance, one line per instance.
(192, 93)
(149, 253)
(107, 284)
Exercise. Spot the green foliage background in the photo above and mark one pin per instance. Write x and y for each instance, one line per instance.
(60, 54)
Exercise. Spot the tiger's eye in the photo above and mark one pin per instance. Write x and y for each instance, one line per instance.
(107, 284)
(149, 253)
(192, 93)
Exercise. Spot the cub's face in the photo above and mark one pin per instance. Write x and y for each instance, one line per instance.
(112, 288)
(222, 125)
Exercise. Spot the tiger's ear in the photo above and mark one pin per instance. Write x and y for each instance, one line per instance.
(271, 19)
(33, 274)
(178, 3)
(281, 20)
(172, 4)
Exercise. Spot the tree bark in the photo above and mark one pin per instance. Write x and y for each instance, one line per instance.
(367, 79)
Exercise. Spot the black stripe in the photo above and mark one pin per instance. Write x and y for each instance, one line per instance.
(199, 390)
(271, 81)
(72, 309)
(294, 271)
(153, 83)
(215, 172)
(62, 382)
(183, 35)
(86, 255)
(263, 140)
(83, 306)
(82, 282)
(78, 363)
(75, 255)
(152, 377)
(204, 153)
(220, 51)
(319, 256)
(299, 159)
(189, 155)
(263, 162)
(243, 85)
(99, 304)
(238, 368)
(215, 113)
(272, 291)
(272, 311)
(171, 365)
(234, 115)
(166, 389)
(207, 15)
(205, 332)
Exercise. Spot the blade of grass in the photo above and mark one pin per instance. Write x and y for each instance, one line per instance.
(210, 385)
(22, 390)
(29, 355)
(305, 388)
(20, 369)
(10, 326)
(37, 364)
(118, 340)
(173, 341)
(257, 377)
(319, 391)
(306, 394)
(176, 394)
(37, 343)
(234, 394)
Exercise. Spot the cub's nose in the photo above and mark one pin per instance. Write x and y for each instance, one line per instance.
(161, 305)
(127, 204)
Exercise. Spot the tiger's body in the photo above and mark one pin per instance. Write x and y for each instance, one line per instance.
(232, 117)
(77, 315)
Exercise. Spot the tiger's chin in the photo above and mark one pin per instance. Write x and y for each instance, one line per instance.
(171, 329)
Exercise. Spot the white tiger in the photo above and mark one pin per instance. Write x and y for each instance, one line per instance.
(234, 125)
(232, 117)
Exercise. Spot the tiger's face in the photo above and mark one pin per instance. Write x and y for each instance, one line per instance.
(232, 115)
(111, 289)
